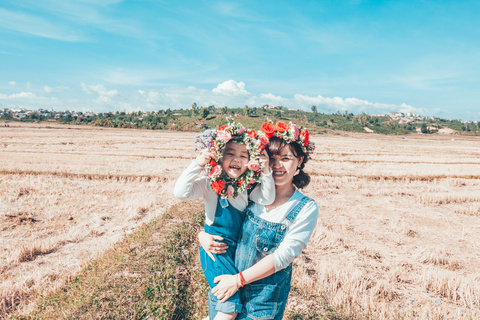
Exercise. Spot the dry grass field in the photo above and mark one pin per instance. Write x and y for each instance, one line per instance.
(398, 235)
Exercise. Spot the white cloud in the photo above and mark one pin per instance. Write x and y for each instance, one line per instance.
(99, 89)
(12, 83)
(231, 88)
(229, 93)
(18, 95)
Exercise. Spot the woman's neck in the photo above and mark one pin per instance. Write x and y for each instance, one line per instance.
(284, 191)
(282, 195)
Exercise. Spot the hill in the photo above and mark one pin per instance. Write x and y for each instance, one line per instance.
(201, 118)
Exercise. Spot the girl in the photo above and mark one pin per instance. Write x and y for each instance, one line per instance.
(272, 235)
(235, 160)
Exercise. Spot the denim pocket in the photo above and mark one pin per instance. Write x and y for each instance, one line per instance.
(262, 301)
(265, 247)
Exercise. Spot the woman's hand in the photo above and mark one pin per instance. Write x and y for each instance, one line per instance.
(211, 245)
(226, 287)
(204, 157)
(264, 161)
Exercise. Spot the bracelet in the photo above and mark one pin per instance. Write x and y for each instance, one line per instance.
(242, 279)
(239, 282)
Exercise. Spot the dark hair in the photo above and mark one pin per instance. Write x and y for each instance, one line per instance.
(275, 146)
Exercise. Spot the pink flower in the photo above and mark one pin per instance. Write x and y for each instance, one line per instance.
(215, 172)
(263, 140)
(230, 191)
(241, 130)
(224, 136)
(252, 181)
(253, 165)
(295, 131)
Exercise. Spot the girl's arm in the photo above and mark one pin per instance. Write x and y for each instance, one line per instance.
(187, 187)
(264, 193)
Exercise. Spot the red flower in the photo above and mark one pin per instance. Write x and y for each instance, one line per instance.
(261, 148)
(222, 128)
(252, 134)
(240, 182)
(268, 128)
(281, 126)
(212, 163)
(305, 136)
(218, 186)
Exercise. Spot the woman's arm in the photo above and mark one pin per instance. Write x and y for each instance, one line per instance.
(210, 244)
(229, 284)
(291, 247)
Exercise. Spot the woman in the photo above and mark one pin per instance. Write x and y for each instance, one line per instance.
(273, 235)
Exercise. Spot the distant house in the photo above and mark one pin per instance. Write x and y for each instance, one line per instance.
(270, 107)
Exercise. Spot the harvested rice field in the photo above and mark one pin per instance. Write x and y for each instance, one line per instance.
(398, 235)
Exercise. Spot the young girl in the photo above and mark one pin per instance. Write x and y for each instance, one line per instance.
(236, 161)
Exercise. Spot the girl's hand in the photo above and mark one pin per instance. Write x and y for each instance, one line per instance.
(264, 161)
(204, 157)
(211, 245)
(226, 287)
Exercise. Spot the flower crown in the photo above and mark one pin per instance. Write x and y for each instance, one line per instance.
(289, 133)
(216, 140)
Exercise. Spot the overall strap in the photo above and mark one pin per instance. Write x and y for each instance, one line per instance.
(223, 202)
(295, 210)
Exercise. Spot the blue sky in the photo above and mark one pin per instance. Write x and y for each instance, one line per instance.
(360, 56)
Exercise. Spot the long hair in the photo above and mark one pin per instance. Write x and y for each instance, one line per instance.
(275, 146)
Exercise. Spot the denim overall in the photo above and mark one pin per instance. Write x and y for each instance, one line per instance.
(227, 224)
(265, 298)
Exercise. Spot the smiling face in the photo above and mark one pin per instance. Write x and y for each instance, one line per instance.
(284, 165)
(235, 159)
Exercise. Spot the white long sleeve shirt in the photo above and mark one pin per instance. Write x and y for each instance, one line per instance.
(298, 233)
(188, 187)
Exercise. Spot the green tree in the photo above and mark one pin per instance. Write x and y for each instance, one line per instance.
(314, 109)
(204, 112)
(246, 110)
(194, 109)
(424, 128)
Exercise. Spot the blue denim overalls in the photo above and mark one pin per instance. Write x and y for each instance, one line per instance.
(227, 224)
(265, 298)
